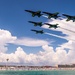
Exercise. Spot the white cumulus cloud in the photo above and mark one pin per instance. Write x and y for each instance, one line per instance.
(31, 42)
(5, 38)
(47, 56)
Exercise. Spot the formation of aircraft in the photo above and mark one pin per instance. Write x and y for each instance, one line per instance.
(36, 23)
(34, 13)
(69, 17)
(38, 31)
(52, 25)
(52, 15)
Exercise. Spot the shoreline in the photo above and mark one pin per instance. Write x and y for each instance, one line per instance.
(36, 69)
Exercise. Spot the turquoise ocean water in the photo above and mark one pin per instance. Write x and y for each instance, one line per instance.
(37, 72)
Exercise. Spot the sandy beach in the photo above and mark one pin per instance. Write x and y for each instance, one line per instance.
(33, 68)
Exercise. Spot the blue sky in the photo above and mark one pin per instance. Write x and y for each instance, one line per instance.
(14, 19)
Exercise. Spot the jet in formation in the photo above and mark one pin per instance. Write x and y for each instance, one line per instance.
(36, 23)
(52, 15)
(52, 25)
(69, 17)
(34, 13)
(38, 31)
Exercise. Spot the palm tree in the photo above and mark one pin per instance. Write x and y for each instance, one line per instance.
(7, 59)
(6, 63)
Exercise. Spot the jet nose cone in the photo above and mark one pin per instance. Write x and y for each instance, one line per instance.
(29, 21)
(56, 13)
(25, 10)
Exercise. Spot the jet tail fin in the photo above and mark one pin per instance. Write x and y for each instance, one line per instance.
(68, 19)
(40, 23)
(49, 26)
(49, 17)
(56, 13)
(57, 24)
(35, 24)
(33, 14)
(38, 11)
